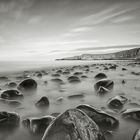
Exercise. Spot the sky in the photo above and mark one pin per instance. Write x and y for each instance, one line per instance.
(50, 29)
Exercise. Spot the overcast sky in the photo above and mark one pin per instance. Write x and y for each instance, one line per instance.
(48, 29)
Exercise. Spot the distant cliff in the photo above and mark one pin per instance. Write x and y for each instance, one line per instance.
(122, 55)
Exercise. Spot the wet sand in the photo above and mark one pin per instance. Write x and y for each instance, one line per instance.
(61, 95)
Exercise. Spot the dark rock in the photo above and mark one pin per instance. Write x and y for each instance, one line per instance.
(55, 114)
(57, 80)
(12, 85)
(43, 102)
(123, 81)
(73, 79)
(133, 113)
(73, 124)
(135, 73)
(12, 103)
(84, 76)
(56, 75)
(39, 75)
(100, 76)
(59, 71)
(38, 125)
(106, 68)
(100, 117)
(3, 78)
(104, 85)
(113, 67)
(9, 119)
(78, 73)
(136, 135)
(66, 73)
(11, 94)
(60, 99)
(76, 96)
(124, 69)
(46, 82)
(117, 101)
(27, 85)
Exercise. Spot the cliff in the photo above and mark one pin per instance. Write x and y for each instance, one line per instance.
(123, 55)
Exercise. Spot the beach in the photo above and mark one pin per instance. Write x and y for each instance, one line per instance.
(64, 94)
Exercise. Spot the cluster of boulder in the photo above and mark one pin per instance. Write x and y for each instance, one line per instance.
(83, 122)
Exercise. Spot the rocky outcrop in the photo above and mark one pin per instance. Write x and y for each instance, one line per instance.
(123, 55)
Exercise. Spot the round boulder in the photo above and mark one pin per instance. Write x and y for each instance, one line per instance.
(38, 125)
(28, 84)
(73, 124)
(43, 102)
(11, 94)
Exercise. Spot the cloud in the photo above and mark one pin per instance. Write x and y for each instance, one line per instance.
(107, 47)
(34, 20)
(105, 15)
(16, 8)
(80, 29)
(123, 19)
(2, 40)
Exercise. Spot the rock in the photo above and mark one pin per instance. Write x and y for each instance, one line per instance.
(78, 73)
(66, 73)
(56, 75)
(100, 76)
(11, 94)
(11, 85)
(38, 125)
(27, 85)
(39, 75)
(104, 85)
(60, 99)
(117, 101)
(123, 81)
(113, 67)
(136, 135)
(135, 73)
(59, 71)
(124, 69)
(84, 76)
(43, 102)
(100, 117)
(55, 114)
(10, 102)
(57, 80)
(73, 124)
(76, 96)
(133, 113)
(3, 78)
(106, 68)
(73, 79)
(9, 119)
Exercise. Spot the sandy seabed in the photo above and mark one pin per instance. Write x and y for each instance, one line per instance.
(61, 95)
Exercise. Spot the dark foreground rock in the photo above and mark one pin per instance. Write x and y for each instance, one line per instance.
(73, 125)
(104, 85)
(100, 76)
(117, 101)
(38, 125)
(43, 102)
(136, 135)
(9, 119)
(57, 80)
(11, 94)
(73, 79)
(27, 85)
(133, 113)
(100, 117)
(12, 103)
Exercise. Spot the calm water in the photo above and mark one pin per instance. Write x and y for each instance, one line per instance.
(53, 91)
